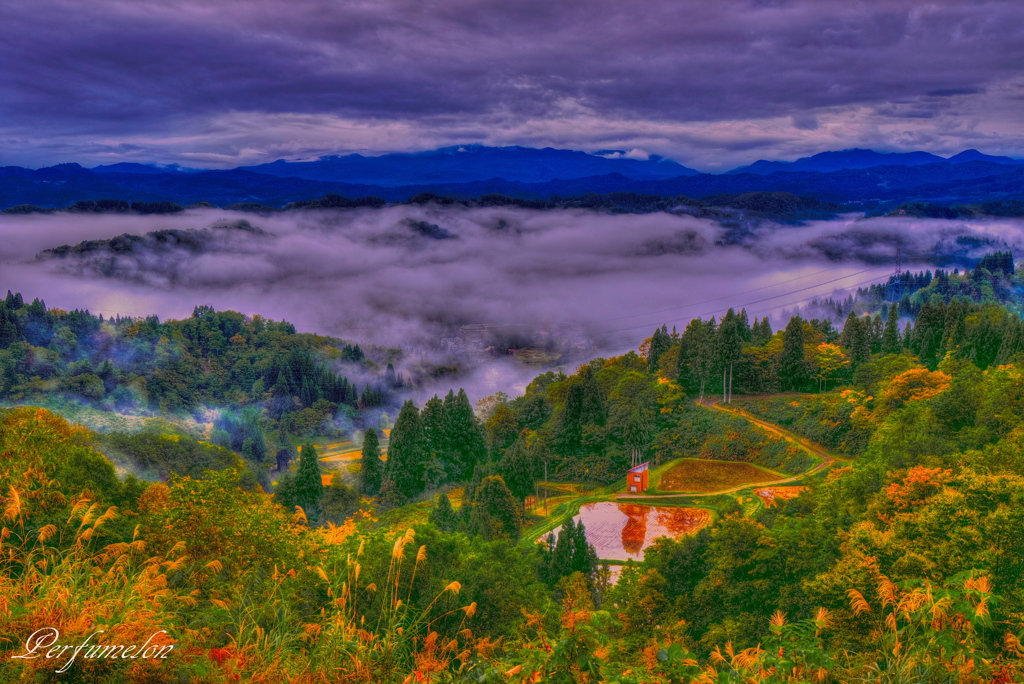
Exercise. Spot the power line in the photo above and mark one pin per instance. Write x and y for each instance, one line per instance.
(729, 296)
(757, 301)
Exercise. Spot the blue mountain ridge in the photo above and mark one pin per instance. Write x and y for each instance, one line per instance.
(826, 162)
(466, 163)
(968, 177)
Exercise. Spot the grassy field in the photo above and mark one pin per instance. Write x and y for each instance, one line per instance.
(697, 475)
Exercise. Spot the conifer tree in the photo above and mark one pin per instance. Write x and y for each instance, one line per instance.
(697, 356)
(309, 486)
(856, 339)
(442, 516)
(496, 514)
(372, 466)
(891, 334)
(518, 468)
(660, 342)
(466, 440)
(434, 425)
(584, 557)
(793, 370)
(592, 408)
(729, 347)
(407, 456)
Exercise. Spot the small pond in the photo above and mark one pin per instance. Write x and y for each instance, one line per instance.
(621, 531)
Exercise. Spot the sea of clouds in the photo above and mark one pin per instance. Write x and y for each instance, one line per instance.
(408, 275)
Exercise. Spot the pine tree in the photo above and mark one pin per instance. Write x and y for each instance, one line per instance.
(390, 496)
(856, 339)
(518, 468)
(442, 516)
(730, 348)
(697, 356)
(435, 429)
(793, 371)
(466, 440)
(592, 408)
(309, 486)
(561, 555)
(373, 467)
(496, 514)
(584, 557)
(407, 456)
(891, 334)
(569, 553)
(660, 342)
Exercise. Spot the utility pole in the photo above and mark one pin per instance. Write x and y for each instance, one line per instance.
(897, 285)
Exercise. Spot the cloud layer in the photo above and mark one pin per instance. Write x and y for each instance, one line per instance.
(410, 275)
(710, 84)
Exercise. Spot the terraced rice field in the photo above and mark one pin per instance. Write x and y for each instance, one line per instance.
(621, 531)
(695, 475)
(772, 494)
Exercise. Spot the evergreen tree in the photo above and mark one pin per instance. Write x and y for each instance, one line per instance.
(442, 516)
(856, 339)
(891, 334)
(660, 342)
(306, 489)
(390, 496)
(875, 331)
(793, 371)
(592, 408)
(435, 431)
(518, 468)
(407, 456)
(561, 554)
(729, 347)
(584, 557)
(466, 441)
(697, 355)
(496, 514)
(569, 553)
(372, 466)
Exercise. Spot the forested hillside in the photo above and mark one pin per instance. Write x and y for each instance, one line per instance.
(900, 563)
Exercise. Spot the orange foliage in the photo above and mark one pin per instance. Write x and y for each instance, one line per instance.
(919, 484)
(914, 385)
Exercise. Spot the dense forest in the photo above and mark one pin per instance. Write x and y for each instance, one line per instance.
(900, 564)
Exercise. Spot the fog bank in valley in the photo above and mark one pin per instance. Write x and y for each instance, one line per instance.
(412, 276)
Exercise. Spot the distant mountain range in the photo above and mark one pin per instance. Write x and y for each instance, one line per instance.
(825, 162)
(849, 177)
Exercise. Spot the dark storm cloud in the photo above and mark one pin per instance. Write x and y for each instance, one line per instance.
(178, 71)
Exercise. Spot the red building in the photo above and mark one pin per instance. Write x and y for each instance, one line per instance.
(636, 479)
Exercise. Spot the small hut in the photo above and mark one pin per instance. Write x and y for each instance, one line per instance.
(636, 479)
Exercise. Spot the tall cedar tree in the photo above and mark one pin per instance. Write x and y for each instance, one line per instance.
(373, 467)
(891, 334)
(442, 516)
(569, 553)
(407, 455)
(793, 372)
(466, 440)
(309, 486)
(660, 342)
(730, 346)
(697, 355)
(435, 429)
(518, 468)
(496, 514)
(856, 339)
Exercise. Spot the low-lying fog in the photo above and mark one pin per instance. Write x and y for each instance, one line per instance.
(411, 275)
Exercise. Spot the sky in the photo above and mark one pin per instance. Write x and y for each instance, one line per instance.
(712, 85)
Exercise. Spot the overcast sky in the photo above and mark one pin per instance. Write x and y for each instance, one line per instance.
(710, 84)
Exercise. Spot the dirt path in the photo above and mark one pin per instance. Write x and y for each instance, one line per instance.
(827, 458)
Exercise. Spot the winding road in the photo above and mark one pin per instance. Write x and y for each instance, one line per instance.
(828, 459)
